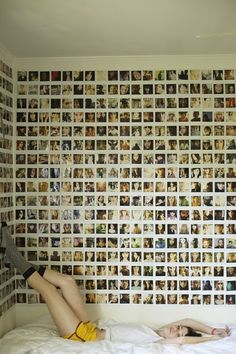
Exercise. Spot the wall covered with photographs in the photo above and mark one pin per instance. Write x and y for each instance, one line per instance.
(7, 279)
(126, 179)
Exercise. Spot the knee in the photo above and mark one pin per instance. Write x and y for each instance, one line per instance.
(67, 281)
(48, 290)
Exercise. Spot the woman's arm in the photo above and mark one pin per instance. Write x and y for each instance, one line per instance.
(201, 327)
(190, 340)
(195, 325)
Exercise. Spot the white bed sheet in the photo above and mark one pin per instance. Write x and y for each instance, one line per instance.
(41, 337)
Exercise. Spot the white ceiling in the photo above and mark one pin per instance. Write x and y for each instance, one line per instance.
(72, 28)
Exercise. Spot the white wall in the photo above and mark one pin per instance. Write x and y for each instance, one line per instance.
(128, 62)
(148, 314)
(8, 321)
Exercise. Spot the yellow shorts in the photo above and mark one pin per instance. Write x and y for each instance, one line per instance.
(85, 332)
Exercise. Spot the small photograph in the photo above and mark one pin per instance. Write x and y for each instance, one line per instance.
(218, 89)
(172, 187)
(183, 285)
(67, 75)
(21, 103)
(113, 298)
(230, 144)
(230, 299)
(231, 215)
(55, 89)
(44, 75)
(195, 257)
(159, 75)
(78, 89)
(21, 75)
(220, 187)
(230, 130)
(218, 116)
(33, 76)
(183, 75)
(136, 75)
(90, 298)
(206, 75)
(219, 299)
(230, 271)
(160, 299)
(55, 76)
(147, 75)
(218, 75)
(171, 102)
(195, 285)
(171, 75)
(183, 89)
(220, 130)
(207, 300)
(124, 75)
(21, 117)
(230, 285)
(219, 102)
(159, 116)
(159, 89)
(170, 89)
(229, 74)
(230, 257)
(229, 88)
(22, 89)
(44, 89)
(195, 89)
(171, 299)
(207, 103)
(160, 243)
(113, 89)
(89, 76)
(207, 89)
(112, 75)
(124, 90)
(78, 75)
(230, 229)
(195, 299)
(230, 102)
(66, 90)
(101, 75)
(183, 102)
(79, 103)
(89, 103)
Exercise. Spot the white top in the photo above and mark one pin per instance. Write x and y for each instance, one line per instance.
(131, 333)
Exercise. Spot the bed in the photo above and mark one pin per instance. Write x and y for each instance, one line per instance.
(41, 337)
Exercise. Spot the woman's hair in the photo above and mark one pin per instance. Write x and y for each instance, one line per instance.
(192, 333)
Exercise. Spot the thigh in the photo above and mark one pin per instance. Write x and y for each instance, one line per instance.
(62, 314)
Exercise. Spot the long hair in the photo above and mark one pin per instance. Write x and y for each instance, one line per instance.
(192, 333)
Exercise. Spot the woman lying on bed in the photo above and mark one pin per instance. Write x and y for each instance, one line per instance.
(71, 319)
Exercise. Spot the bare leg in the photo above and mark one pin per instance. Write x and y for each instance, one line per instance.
(62, 314)
(70, 292)
(67, 310)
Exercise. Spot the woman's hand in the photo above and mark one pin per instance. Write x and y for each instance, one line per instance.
(222, 332)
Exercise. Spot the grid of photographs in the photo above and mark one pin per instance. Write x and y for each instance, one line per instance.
(7, 279)
(126, 179)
